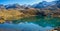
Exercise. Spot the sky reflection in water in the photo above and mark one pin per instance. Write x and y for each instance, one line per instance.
(25, 27)
(35, 23)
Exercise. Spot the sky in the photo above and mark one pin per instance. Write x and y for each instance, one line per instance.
(28, 2)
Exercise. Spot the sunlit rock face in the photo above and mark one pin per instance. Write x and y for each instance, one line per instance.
(12, 14)
(23, 27)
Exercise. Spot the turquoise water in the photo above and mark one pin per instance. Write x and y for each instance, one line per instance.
(42, 21)
(33, 23)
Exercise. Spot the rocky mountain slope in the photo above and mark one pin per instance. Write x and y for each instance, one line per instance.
(16, 11)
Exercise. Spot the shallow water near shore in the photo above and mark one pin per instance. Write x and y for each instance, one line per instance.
(33, 23)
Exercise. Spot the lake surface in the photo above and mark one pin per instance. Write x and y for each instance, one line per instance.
(40, 20)
(33, 23)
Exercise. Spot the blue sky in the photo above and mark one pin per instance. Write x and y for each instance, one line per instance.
(28, 2)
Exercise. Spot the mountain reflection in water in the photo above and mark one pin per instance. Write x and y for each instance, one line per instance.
(34, 23)
(41, 20)
(24, 27)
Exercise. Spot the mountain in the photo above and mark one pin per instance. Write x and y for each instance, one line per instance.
(44, 4)
(2, 6)
(10, 6)
(17, 6)
(40, 5)
(58, 4)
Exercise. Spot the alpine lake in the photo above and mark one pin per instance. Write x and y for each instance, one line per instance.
(33, 23)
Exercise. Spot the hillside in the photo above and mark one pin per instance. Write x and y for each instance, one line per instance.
(16, 11)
